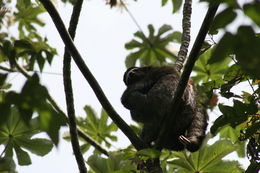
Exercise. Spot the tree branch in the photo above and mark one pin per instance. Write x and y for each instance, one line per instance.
(7, 69)
(185, 39)
(69, 91)
(186, 72)
(92, 142)
(135, 140)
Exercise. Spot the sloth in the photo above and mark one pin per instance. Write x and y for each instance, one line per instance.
(148, 96)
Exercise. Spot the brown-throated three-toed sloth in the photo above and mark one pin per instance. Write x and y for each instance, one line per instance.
(149, 95)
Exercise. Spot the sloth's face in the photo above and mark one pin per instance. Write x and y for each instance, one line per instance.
(135, 74)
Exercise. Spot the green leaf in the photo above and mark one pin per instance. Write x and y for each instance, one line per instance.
(219, 122)
(226, 167)
(23, 44)
(233, 134)
(223, 48)
(149, 152)
(164, 29)
(91, 117)
(7, 165)
(227, 110)
(207, 159)
(233, 72)
(85, 147)
(176, 36)
(38, 146)
(176, 5)
(22, 156)
(222, 19)
(35, 96)
(253, 129)
(248, 57)
(115, 163)
(97, 127)
(98, 164)
(26, 3)
(131, 59)
(151, 31)
(164, 2)
(17, 134)
(132, 44)
(152, 50)
(252, 11)
(40, 60)
(210, 71)
(233, 115)
(5, 113)
(28, 15)
(51, 122)
(210, 156)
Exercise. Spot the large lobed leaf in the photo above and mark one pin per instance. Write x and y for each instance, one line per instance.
(98, 127)
(152, 50)
(208, 159)
(16, 136)
(244, 47)
(33, 98)
(116, 163)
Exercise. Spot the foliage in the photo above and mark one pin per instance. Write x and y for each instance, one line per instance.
(97, 127)
(207, 159)
(117, 162)
(175, 3)
(16, 135)
(33, 99)
(209, 72)
(219, 71)
(152, 50)
(29, 51)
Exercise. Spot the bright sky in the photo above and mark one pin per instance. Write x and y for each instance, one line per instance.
(100, 38)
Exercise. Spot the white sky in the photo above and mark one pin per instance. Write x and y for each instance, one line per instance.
(100, 38)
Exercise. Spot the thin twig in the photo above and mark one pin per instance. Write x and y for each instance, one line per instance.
(13, 70)
(58, 109)
(92, 142)
(136, 23)
(7, 69)
(185, 39)
(250, 84)
(186, 72)
(135, 140)
(69, 91)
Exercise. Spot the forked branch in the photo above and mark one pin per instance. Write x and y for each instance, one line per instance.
(135, 140)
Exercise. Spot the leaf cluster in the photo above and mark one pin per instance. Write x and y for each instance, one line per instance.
(16, 135)
(31, 99)
(152, 50)
(97, 127)
(208, 159)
